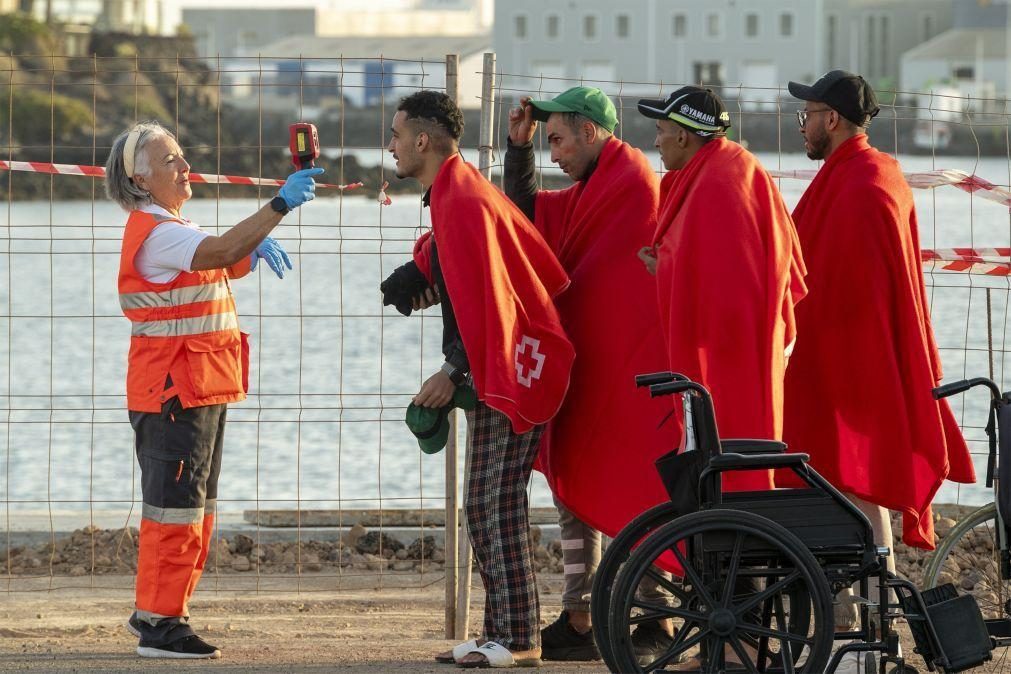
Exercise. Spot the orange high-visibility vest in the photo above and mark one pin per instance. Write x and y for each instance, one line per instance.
(186, 328)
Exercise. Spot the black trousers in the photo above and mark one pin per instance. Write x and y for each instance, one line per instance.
(179, 453)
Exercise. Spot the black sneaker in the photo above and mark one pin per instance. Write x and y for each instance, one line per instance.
(561, 641)
(191, 647)
(650, 641)
(133, 625)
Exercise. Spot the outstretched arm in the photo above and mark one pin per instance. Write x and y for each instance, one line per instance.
(219, 252)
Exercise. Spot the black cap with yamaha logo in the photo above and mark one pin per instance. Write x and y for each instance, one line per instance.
(844, 92)
(699, 110)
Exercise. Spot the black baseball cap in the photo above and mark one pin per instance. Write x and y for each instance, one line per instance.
(844, 92)
(699, 110)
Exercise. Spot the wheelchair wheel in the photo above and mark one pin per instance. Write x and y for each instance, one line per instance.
(615, 555)
(753, 598)
(969, 557)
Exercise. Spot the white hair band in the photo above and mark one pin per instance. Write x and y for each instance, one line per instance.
(129, 150)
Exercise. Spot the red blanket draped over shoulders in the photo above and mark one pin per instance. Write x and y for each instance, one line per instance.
(598, 452)
(858, 390)
(729, 275)
(501, 277)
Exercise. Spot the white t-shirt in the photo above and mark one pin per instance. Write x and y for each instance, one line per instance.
(168, 250)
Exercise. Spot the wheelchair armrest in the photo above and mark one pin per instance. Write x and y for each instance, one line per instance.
(642, 380)
(725, 462)
(748, 446)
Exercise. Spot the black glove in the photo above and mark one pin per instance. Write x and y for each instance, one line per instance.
(403, 286)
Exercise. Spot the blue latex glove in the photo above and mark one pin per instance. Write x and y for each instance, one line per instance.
(271, 251)
(300, 187)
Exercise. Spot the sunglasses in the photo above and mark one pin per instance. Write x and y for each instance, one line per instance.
(803, 114)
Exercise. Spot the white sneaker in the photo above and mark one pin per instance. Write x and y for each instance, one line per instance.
(857, 662)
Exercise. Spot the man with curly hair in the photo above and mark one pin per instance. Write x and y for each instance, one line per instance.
(496, 278)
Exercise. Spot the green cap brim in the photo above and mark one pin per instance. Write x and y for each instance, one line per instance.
(437, 442)
(543, 109)
(422, 420)
(429, 425)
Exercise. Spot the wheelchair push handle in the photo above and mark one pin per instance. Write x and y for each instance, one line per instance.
(670, 388)
(964, 385)
(642, 380)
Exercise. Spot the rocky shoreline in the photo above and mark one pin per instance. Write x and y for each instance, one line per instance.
(94, 551)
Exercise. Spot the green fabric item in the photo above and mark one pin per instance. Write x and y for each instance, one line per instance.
(587, 101)
(431, 424)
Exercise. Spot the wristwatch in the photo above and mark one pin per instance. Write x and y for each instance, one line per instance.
(456, 375)
(280, 205)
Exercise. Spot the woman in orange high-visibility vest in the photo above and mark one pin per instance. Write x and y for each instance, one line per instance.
(187, 361)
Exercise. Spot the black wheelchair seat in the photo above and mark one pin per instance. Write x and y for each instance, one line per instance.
(825, 526)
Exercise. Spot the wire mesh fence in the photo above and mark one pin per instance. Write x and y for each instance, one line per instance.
(332, 370)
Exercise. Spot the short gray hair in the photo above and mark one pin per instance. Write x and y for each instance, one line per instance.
(119, 186)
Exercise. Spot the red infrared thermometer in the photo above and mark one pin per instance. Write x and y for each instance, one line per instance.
(303, 141)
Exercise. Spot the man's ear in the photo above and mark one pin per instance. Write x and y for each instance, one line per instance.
(422, 141)
(682, 136)
(589, 132)
(834, 120)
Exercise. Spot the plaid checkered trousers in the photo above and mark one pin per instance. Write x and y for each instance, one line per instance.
(499, 526)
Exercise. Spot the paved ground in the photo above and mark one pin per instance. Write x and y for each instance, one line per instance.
(271, 629)
(262, 624)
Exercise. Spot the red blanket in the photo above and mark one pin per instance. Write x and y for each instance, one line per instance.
(598, 453)
(423, 254)
(501, 278)
(729, 275)
(858, 388)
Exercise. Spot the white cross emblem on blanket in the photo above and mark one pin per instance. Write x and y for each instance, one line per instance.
(528, 365)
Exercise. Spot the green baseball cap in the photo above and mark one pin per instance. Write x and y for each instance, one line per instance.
(431, 424)
(590, 102)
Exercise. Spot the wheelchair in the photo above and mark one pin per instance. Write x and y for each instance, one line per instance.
(748, 578)
(977, 549)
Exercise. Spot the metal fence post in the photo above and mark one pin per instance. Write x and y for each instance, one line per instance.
(989, 332)
(453, 542)
(466, 559)
(451, 545)
(486, 133)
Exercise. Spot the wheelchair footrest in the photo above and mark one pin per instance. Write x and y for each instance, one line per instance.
(957, 622)
(999, 628)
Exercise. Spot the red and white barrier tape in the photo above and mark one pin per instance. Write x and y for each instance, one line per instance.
(207, 178)
(383, 198)
(928, 180)
(985, 261)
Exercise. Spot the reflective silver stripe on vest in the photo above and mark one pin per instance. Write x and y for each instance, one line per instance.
(172, 515)
(175, 297)
(179, 327)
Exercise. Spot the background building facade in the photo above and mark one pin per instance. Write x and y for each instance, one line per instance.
(969, 60)
(729, 43)
(227, 32)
